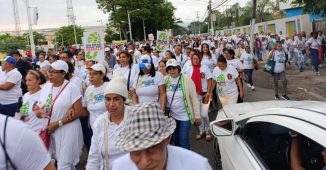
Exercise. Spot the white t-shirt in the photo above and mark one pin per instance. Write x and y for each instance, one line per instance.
(23, 145)
(44, 63)
(236, 63)
(300, 44)
(205, 75)
(226, 81)
(156, 60)
(181, 59)
(209, 62)
(279, 58)
(314, 43)
(67, 141)
(29, 101)
(75, 80)
(178, 109)
(147, 87)
(94, 102)
(124, 71)
(248, 60)
(178, 159)
(96, 159)
(12, 95)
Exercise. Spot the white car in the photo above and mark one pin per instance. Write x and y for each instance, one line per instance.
(266, 135)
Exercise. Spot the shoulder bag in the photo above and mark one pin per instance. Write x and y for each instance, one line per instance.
(44, 135)
(270, 65)
(168, 108)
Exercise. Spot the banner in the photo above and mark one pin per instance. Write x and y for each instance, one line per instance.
(119, 42)
(93, 43)
(162, 43)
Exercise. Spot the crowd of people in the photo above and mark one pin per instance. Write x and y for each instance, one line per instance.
(131, 107)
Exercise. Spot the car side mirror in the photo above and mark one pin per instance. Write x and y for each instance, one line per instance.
(223, 127)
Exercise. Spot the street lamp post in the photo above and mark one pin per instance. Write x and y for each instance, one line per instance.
(31, 36)
(128, 12)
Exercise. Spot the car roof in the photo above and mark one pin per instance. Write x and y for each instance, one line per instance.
(311, 111)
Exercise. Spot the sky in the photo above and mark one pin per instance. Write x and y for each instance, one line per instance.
(53, 13)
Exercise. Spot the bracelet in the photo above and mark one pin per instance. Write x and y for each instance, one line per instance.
(60, 123)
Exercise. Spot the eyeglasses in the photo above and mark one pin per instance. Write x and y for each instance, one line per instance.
(54, 72)
(94, 73)
(172, 68)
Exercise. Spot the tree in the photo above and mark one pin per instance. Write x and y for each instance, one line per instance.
(157, 15)
(39, 38)
(316, 7)
(9, 43)
(66, 35)
(110, 35)
(179, 30)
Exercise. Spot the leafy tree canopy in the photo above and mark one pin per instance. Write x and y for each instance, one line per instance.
(157, 15)
(66, 35)
(9, 43)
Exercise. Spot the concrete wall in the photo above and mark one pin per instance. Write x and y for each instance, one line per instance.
(302, 23)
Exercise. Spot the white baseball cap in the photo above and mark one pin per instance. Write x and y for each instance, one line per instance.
(99, 67)
(60, 65)
(172, 63)
(106, 49)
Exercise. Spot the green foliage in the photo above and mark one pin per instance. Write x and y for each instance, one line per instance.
(111, 35)
(9, 43)
(316, 7)
(67, 34)
(39, 38)
(157, 15)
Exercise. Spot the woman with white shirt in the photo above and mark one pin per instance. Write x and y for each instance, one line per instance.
(182, 103)
(314, 43)
(227, 81)
(34, 80)
(126, 68)
(209, 59)
(61, 101)
(202, 77)
(149, 85)
(248, 64)
(108, 125)
(42, 62)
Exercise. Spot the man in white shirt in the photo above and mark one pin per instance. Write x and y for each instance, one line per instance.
(10, 90)
(147, 136)
(21, 147)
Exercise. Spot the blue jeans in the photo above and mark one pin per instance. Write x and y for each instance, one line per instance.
(314, 59)
(259, 54)
(180, 137)
(249, 75)
(9, 109)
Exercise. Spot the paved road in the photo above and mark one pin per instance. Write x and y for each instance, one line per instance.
(202, 146)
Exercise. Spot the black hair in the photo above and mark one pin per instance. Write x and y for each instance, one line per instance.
(224, 49)
(222, 59)
(129, 56)
(71, 70)
(148, 49)
(152, 70)
(38, 75)
(70, 55)
(231, 51)
(56, 57)
(278, 42)
(171, 53)
(209, 52)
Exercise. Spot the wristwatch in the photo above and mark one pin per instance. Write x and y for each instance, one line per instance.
(60, 123)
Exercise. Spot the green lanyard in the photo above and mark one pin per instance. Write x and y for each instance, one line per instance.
(168, 83)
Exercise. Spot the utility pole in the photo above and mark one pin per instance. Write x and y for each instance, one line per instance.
(252, 31)
(71, 17)
(198, 22)
(31, 37)
(16, 16)
(144, 29)
(211, 16)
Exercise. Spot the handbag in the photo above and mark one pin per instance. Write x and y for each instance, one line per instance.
(44, 135)
(256, 65)
(269, 66)
(168, 109)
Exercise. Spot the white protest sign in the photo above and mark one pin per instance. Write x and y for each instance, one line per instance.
(93, 43)
(162, 43)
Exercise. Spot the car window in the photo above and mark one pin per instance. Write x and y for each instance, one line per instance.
(271, 143)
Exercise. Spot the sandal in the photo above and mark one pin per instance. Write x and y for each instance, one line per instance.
(200, 136)
(208, 137)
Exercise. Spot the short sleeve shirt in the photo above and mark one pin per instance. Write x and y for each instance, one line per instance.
(147, 87)
(226, 81)
(12, 95)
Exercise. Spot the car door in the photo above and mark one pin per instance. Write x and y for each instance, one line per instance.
(266, 141)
